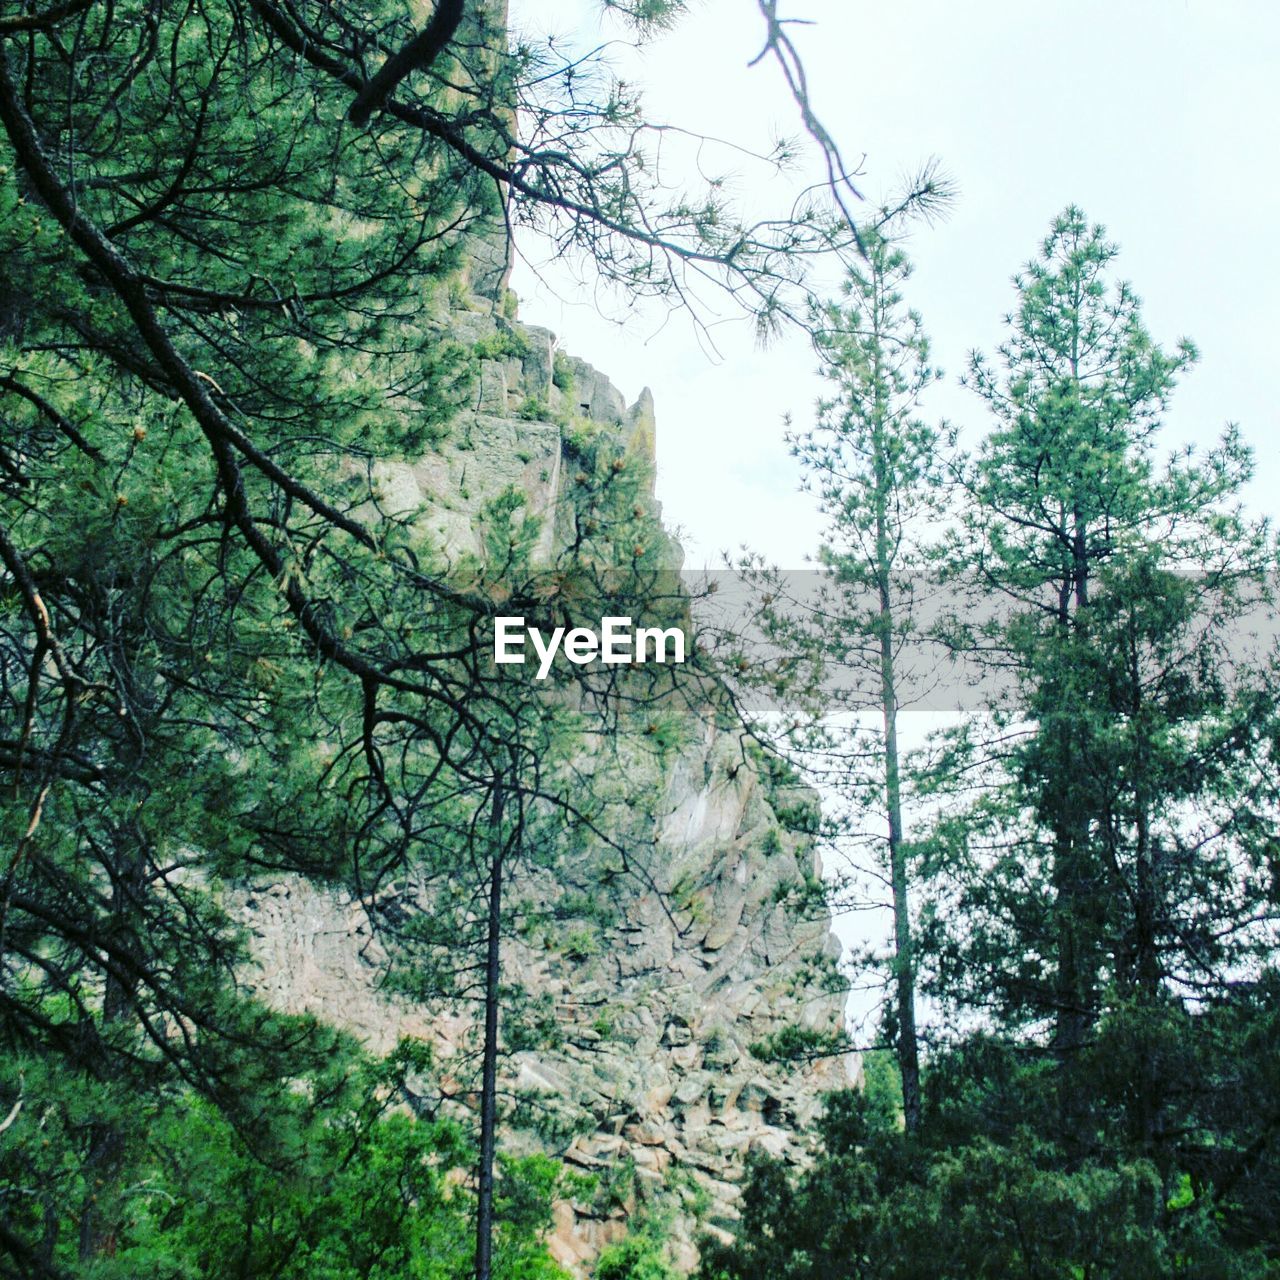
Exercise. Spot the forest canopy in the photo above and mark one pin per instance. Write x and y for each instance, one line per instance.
(236, 240)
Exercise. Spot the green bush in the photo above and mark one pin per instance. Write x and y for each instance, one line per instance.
(638, 1257)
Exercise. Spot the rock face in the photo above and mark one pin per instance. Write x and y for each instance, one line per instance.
(653, 1084)
(659, 1025)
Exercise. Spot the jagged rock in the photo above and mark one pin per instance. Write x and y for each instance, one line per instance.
(774, 1142)
(690, 1090)
(686, 1056)
(721, 933)
(678, 1032)
(647, 951)
(536, 365)
(657, 1159)
(594, 396)
(492, 394)
(657, 1098)
(642, 428)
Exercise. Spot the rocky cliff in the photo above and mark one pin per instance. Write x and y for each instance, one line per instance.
(652, 1083)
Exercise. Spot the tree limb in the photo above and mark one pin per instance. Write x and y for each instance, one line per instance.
(417, 55)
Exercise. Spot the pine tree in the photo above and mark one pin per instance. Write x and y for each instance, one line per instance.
(878, 472)
(220, 306)
(1097, 921)
(1107, 888)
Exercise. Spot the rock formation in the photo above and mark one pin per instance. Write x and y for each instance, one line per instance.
(653, 1084)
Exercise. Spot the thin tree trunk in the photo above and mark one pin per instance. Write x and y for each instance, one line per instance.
(908, 1047)
(1148, 1091)
(904, 958)
(489, 1074)
(904, 969)
(100, 1209)
(1073, 872)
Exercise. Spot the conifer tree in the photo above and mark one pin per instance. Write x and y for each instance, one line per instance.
(1098, 892)
(878, 473)
(1107, 887)
(221, 306)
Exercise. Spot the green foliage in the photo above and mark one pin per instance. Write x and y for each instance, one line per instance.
(800, 813)
(1097, 859)
(534, 409)
(665, 731)
(581, 943)
(328, 1177)
(220, 306)
(639, 1257)
(806, 897)
(881, 1083)
(881, 1205)
(582, 441)
(1101, 895)
(1081, 859)
(219, 666)
(505, 344)
(562, 373)
(799, 1044)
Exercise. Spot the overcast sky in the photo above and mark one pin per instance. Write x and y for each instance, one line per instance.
(1158, 117)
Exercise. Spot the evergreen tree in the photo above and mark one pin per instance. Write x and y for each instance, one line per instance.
(1104, 899)
(1098, 922)
(1118, 832)
(878, 472)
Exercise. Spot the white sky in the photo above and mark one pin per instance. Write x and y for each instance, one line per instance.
(1158, 117)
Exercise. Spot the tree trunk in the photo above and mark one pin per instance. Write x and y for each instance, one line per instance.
(100, 1209)
(1073, 871)
(908, 1048)
(904, 957)
(489, 1071)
